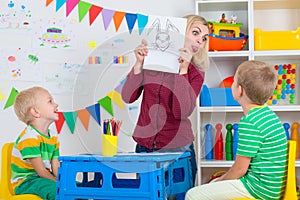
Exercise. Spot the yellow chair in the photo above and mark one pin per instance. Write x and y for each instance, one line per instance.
(6, 190)
(290, 188)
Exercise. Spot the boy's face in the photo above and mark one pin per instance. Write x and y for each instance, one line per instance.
(46, 106)
(196, 37)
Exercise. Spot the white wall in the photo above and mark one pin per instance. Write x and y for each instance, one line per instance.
(17, 38)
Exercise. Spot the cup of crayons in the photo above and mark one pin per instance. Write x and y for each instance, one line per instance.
(111, 128)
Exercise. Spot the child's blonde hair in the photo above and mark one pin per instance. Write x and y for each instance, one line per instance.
(200, 59)
(258, 79)
(26, 100)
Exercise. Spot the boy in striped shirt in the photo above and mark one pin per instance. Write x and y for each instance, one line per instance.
(36, 150)
(259, 169)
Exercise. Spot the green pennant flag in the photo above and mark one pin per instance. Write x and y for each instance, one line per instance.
(70, 118)
(106, 104)
(11, 99)
(83, 9)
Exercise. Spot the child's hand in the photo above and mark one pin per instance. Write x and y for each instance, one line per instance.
(184, 60)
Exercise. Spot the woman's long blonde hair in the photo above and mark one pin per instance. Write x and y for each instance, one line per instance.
(200, 59)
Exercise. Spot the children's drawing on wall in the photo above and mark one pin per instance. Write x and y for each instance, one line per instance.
(20, 65)
(55, 38)
(94, 60)
(92, 44)
(63, 79)
(165, 36)
(113, 53)
(15, 15)
(55, 33)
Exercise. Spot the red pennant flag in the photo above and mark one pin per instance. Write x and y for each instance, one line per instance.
(59, 123)
(94, 12)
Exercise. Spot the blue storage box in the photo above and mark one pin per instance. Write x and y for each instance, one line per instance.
(217, 97)
(154, 180)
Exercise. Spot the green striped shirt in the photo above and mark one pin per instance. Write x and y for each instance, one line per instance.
(32, 144)
(262, 137)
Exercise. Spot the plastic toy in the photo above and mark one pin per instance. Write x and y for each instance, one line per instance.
(208, 142)
(228, 143)
(235, 140)
(216, 175)
(295, 136)
(285, 90)
(223, 20)
(286, 127)
(219, 143)
(225, 35)
(227, 82)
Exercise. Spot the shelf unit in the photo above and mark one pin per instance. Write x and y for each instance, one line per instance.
(269, 15)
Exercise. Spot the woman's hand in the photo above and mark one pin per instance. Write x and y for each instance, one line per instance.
(184, 60)
(140, 52)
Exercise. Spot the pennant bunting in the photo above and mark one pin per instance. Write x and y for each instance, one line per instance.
(106, 104)
(70, 6)
(94, 110)
(107, 14)
(117, 98)
(107, 17)
(131, 19)
(70, 118)
(11, 99)
(142, 22)
(84, 117)
(59, 4)
(94, 12)
(118, 18)
(59, 123)
(123, 81)
(83, 9)
(48, 2)
(119, 88)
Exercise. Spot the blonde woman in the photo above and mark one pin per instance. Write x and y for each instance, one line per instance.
(168, 99)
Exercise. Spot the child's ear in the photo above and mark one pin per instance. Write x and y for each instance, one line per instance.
(241, 90)
(35, 112)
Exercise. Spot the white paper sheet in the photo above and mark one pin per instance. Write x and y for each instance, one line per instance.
(165, 36)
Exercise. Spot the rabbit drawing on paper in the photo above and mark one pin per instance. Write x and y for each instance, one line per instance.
(162, 38)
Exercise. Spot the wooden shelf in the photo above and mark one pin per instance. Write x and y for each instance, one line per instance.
(253, 14)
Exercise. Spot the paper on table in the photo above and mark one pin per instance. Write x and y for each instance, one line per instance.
(165, 36)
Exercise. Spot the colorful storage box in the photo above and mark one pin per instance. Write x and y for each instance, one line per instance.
(217, 97)
(154, 172)
(276, 40)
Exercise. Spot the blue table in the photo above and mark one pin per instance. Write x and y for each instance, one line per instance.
(154, 176)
